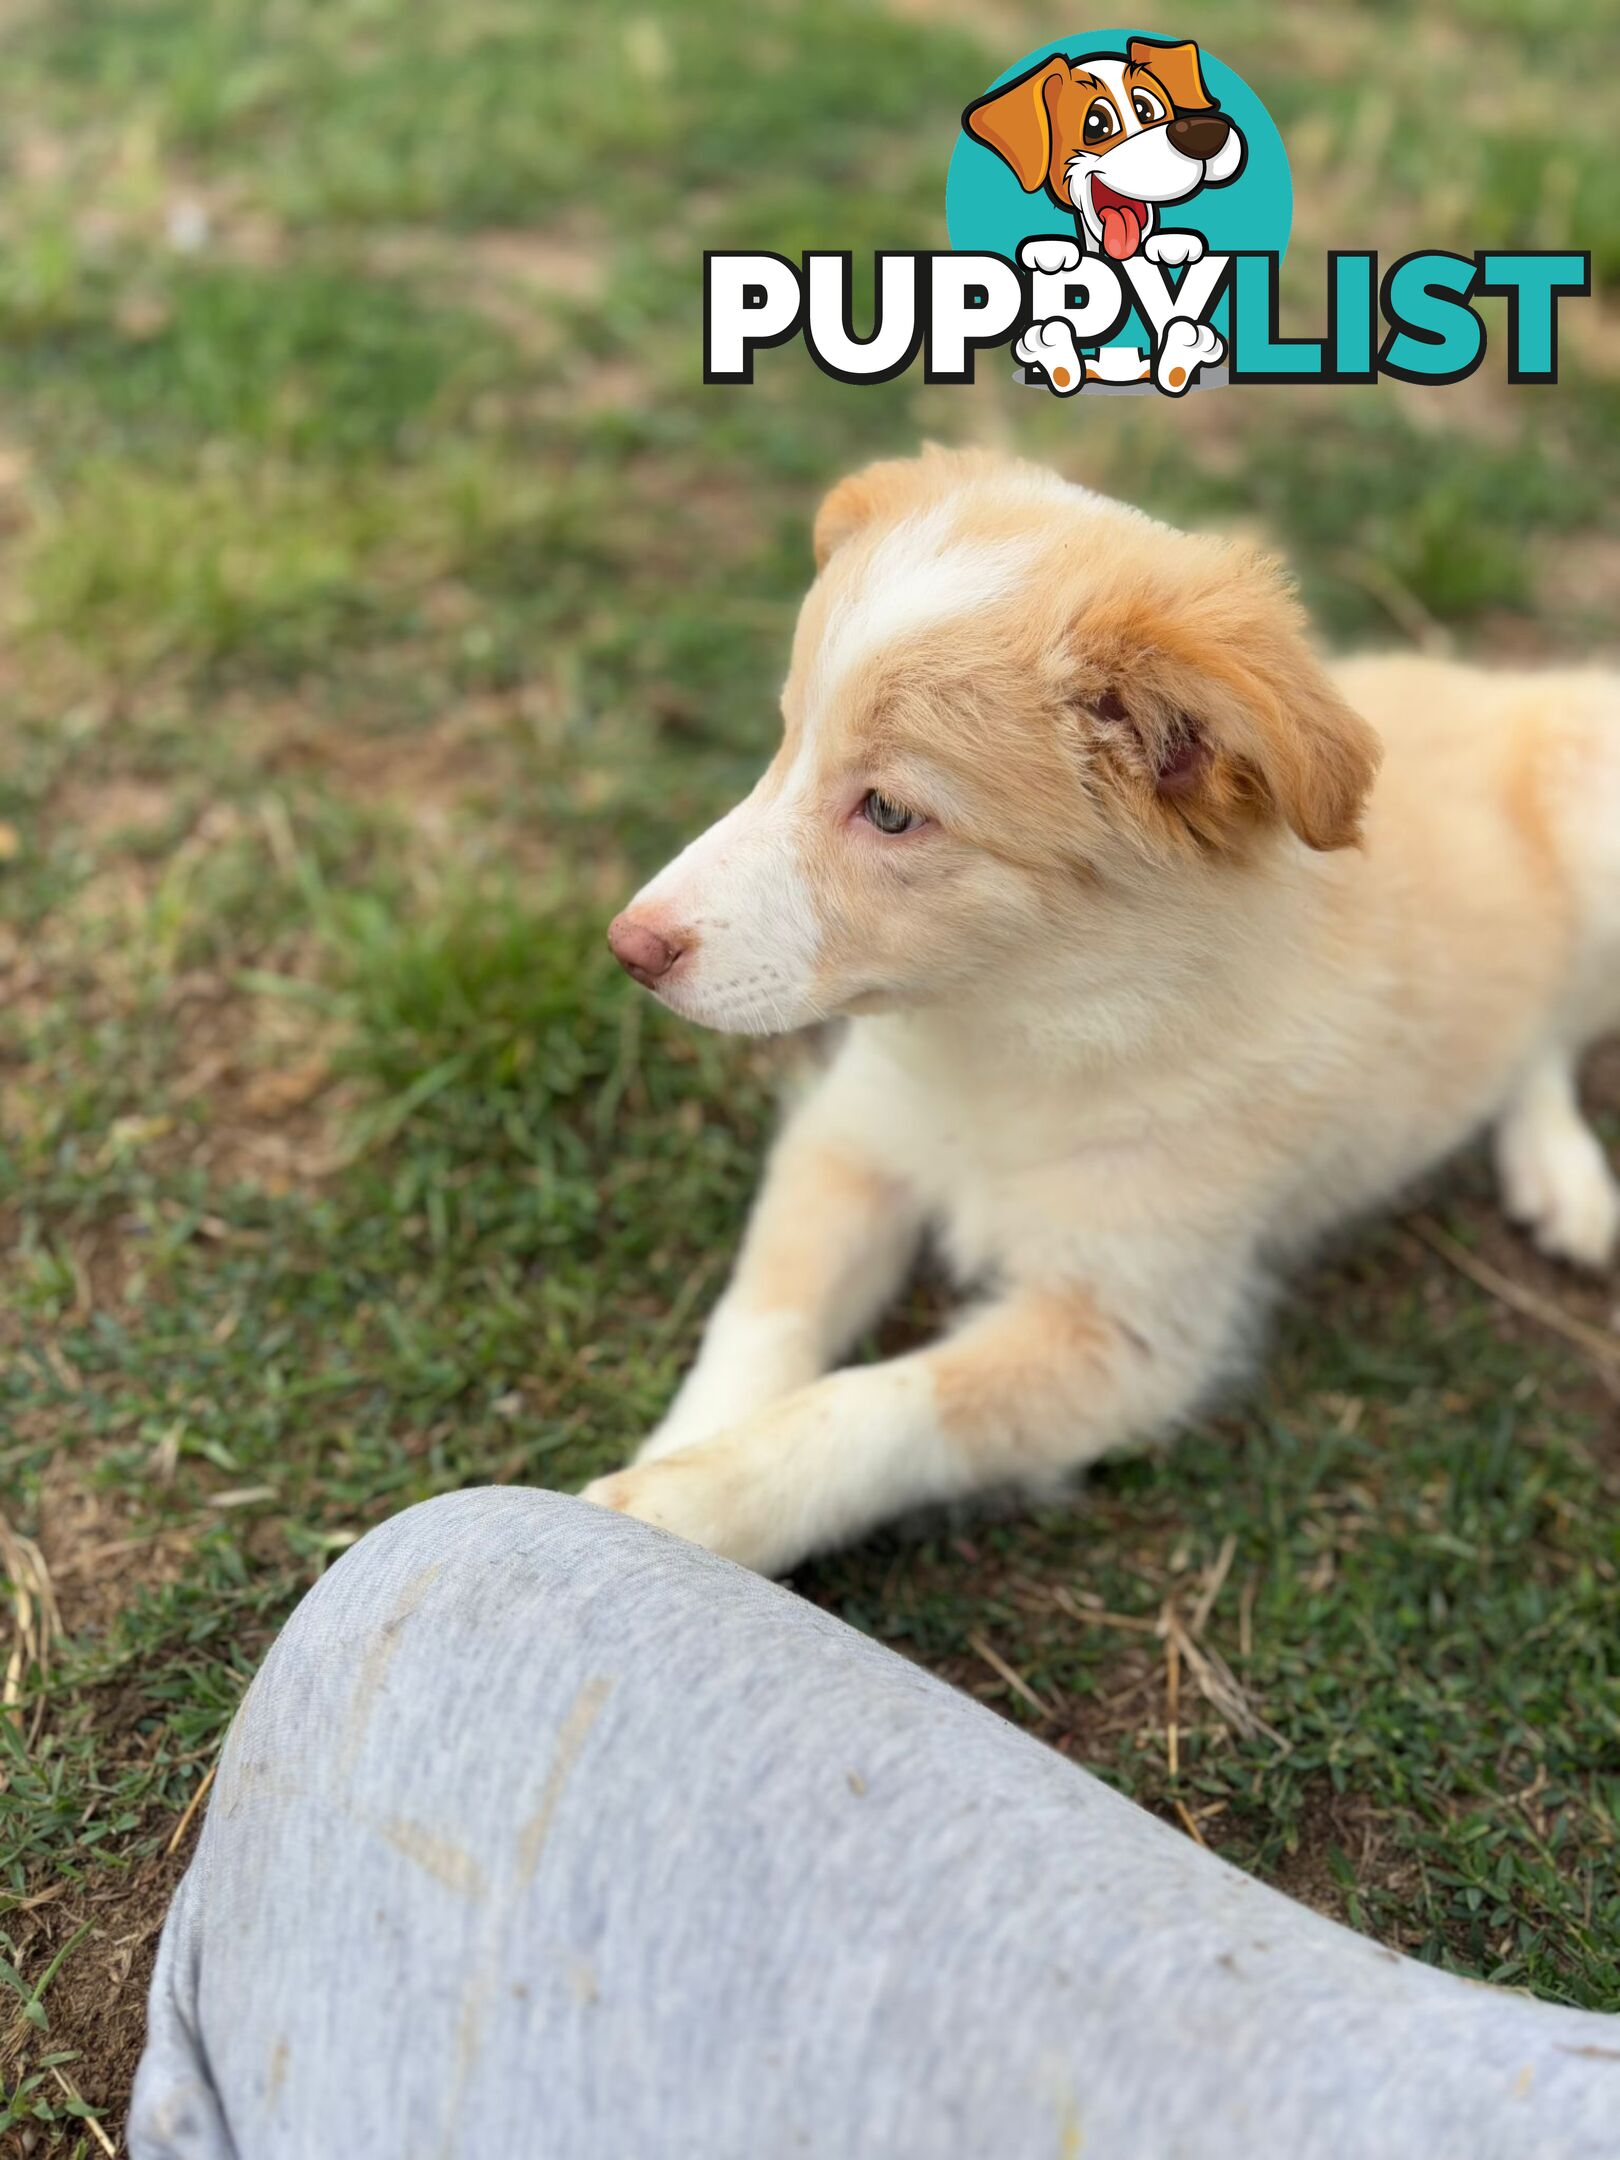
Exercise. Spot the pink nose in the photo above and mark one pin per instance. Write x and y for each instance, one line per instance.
(639, 951)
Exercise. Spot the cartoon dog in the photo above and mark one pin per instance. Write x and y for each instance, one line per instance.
(1151, 977)
(1111, 139)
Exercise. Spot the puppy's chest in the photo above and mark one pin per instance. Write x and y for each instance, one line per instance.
(1003, 1181)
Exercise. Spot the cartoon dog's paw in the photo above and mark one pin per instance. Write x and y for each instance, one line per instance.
(1185, 348)
(1174, 247)
(1051, 255)
(1051, 346)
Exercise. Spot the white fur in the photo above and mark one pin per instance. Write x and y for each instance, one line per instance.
(1555, 1177)
(739, 889)
(921, 573)
(738, 893)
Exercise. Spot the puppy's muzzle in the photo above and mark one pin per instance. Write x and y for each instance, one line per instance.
(1199, 135)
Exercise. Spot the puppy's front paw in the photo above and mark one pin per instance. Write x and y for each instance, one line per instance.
(629, 1492)
(1174, 247)
(1050, 254)
(1051, 346)
(1557, 1183)
(1185, 348)
(687, 1493)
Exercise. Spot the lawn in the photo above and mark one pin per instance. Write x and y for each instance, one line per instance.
(385, 595)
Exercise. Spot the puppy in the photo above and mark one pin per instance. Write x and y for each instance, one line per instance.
(1111, 138)
(1151, 976)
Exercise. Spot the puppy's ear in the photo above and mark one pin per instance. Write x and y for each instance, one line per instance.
(889, 489)
(1226, 714)
(1313, 753)
(854, 502)
(1177, 68)
(1016, 122)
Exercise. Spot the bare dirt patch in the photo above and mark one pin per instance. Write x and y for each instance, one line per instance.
(96, 1548)
(103, 810)
(260, 1102)
(97, 2003)
(514, 277)
(92, 1552)
(425, 775)
(1355, 1826)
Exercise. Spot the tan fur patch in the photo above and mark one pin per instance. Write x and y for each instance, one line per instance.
(886, 490)
(1005, 1383)
(1524, 798)
(820, 1191)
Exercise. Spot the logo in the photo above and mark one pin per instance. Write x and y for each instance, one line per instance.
(1155, 160)
(1118, 207)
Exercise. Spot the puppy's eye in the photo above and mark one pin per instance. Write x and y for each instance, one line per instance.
(1146, 107)
(1101, 120)
(888, 815)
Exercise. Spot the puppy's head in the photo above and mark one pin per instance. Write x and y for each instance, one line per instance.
(1016, 712)
(1111, 138)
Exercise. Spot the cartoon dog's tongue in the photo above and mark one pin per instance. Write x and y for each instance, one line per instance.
(1122, 220)
(1119, 232)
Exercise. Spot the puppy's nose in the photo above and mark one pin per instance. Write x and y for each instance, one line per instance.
(1199, 135)
(641, 952)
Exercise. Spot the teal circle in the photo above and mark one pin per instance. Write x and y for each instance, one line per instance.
(987, 212)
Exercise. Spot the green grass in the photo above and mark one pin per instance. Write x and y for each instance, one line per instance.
(385, 595)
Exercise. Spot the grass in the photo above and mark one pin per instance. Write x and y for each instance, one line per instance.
(385, 595)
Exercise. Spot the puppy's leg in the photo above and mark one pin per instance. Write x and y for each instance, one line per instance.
(1554, 1175)
(1041, 1383)
(828, 1242)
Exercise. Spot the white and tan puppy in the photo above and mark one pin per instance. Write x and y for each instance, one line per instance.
(1151, 975)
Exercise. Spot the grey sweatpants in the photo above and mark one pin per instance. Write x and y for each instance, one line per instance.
(543, 1834)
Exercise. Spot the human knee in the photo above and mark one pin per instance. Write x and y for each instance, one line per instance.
(483, 1556)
